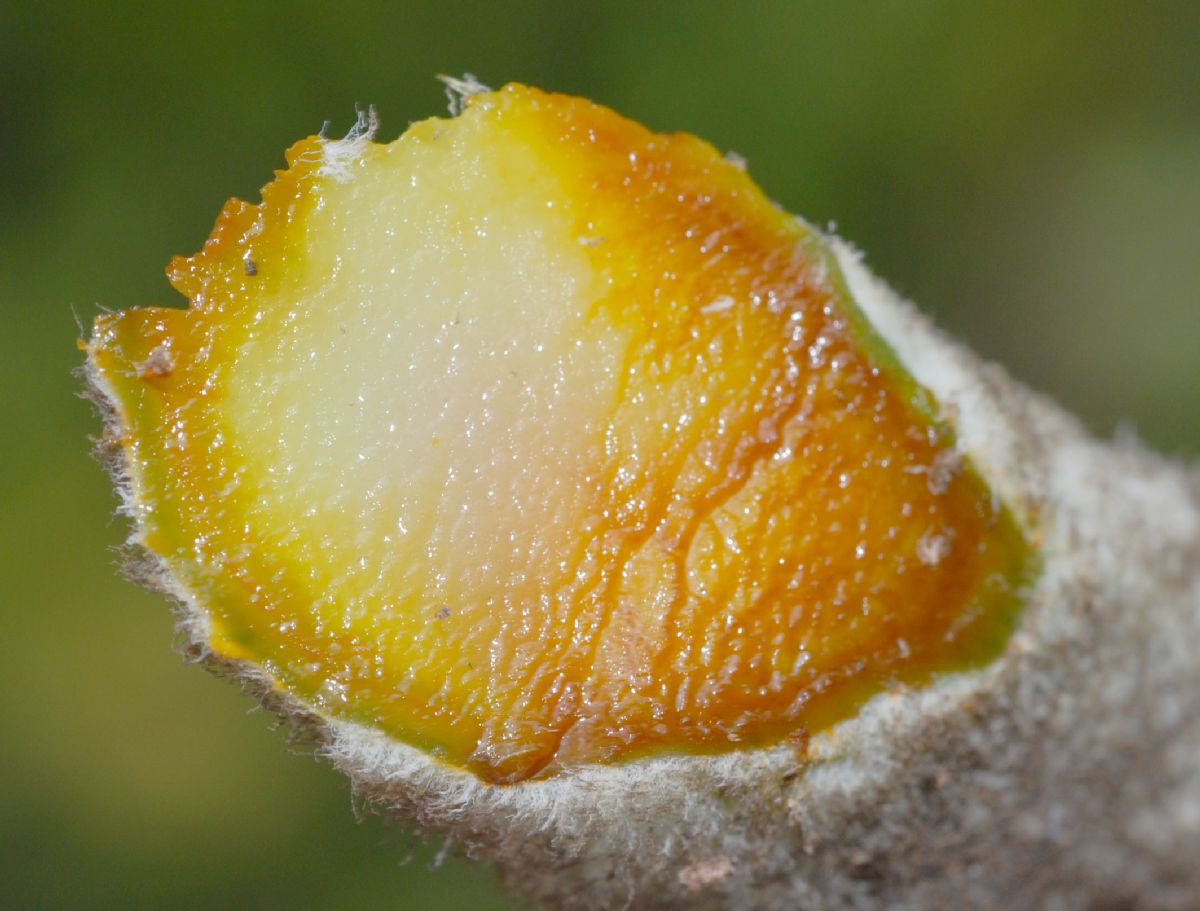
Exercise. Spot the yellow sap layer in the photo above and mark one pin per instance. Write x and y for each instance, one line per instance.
(536, 439)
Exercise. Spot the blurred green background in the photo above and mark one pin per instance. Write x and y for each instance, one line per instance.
(1029, 172)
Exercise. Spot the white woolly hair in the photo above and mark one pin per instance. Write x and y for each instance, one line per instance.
(338, 156)
(459, 90)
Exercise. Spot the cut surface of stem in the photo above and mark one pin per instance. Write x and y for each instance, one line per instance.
(594, 510)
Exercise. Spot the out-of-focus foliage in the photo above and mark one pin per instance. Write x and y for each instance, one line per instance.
(1029, 172)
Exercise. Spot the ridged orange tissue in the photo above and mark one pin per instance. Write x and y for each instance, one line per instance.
(535, 439)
